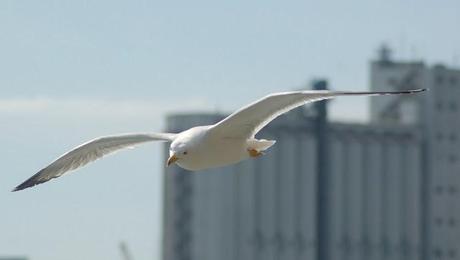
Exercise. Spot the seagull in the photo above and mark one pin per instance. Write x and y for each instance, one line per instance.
(226, 142)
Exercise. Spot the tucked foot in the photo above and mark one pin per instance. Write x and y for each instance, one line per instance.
(254, 153)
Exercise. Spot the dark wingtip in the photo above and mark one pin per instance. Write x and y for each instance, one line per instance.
(32, 181)
(18, 188)
(22, 186)
(418, 90)
(410, 91)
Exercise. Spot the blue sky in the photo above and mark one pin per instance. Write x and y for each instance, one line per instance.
(74, 70)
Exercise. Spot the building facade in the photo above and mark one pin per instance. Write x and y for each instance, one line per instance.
(437, 114)
(324, 191)
(389, 189)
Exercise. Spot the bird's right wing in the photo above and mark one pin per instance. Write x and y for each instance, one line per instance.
(88, 152)
(247, 121)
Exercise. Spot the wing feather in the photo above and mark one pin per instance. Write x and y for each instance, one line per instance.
(247, 121)
(88, 152)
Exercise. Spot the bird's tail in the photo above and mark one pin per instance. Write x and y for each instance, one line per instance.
(260, 144)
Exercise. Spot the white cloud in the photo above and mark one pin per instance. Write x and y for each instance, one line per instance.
(94, 108)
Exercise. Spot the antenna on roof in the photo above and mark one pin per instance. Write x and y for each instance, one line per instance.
(384, 53)
(125, 251)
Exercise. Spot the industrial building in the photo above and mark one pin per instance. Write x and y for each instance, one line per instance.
(436, 115)
(329, 190)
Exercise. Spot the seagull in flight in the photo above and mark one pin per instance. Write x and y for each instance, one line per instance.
(226, 142)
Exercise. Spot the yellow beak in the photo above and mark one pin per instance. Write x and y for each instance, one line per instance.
(172, 159)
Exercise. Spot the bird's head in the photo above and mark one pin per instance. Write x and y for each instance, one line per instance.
(178, 151)
(176, 155)
(184, 148)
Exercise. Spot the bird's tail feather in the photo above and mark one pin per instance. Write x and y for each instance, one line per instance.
(260, 144)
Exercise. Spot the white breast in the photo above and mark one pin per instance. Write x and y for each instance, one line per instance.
(212, 153)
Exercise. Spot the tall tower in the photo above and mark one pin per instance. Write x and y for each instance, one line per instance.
(387, 74)
(442, 125)
(437, 114)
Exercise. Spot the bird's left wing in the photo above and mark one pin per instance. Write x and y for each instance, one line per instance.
(88, 152)
(247, 121)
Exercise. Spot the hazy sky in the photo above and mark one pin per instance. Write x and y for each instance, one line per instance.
(74, 70)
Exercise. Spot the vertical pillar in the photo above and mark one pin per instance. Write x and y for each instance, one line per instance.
(322, 202)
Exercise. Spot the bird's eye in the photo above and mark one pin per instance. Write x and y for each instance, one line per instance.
(184, 153)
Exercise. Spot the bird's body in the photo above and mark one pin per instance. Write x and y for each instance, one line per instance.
(226, 142)
(209, 150)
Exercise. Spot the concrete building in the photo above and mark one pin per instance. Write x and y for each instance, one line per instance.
(392, 191)
(437, 114)
(293, 204)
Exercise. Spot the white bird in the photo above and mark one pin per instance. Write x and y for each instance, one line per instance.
(226, 142)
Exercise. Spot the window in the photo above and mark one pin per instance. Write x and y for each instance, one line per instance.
(452, 158)
(439, 106)
(439, 136)
(452, 190)
(452, 222)
(437, 252)
(438, 221)
(439, 80)
(392, 82)
(438, 190)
